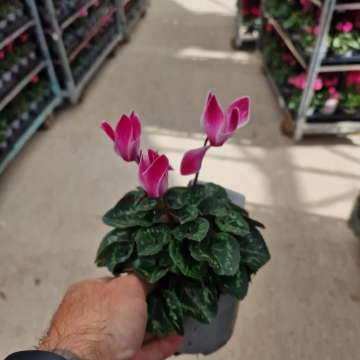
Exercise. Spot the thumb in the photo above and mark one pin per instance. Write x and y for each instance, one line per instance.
(159, 349)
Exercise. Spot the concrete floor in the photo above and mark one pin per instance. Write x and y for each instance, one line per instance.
(305, 304)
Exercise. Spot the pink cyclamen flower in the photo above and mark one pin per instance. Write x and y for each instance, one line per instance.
(289, 58)
(153, 173)
(35, 79)
(268, 27)
(24, 36)
(219, 127)
(126, 136)
(330, 79)
(191, 162)
(255, 10)
(353, 77)
(306, 5)
(347, 27)
(333, 93)
(83, 12)
(300, 82)
(339, 26)
(2, 54)
(316, 29)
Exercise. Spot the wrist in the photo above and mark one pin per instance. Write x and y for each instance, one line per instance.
(66, 354)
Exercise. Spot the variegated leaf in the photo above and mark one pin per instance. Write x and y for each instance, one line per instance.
(231, 221)
(150, 240)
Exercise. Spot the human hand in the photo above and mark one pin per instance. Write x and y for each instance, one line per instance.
(105, 319)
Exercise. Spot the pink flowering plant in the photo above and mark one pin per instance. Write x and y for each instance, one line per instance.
(347, 38)
(193, 242)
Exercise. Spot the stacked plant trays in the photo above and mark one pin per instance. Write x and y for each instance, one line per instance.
(29, 90)
(311, 56)
(80, 35)
(247, 23)
(133, 10)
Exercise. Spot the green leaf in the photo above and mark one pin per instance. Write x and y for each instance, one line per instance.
(254, 222)
(194, 196)
(116, 235)
(129, 197)
(117, 253)
(236, 285)
(231, 221)
(336, 43)
(253, 250)
(187, 213)
(160, 216)
(236, 208)
(211, 206)
(221, 252)
(176, 197)
(139, 194)
(101, 263)
(353, 44)
(150, 240)
(217, 192)
(143, 218)
(198, 298)
(147, 204)
(120, 216)
(180, 253)
(173, 310)
(158, 323)
(193, 230)
(152, 268)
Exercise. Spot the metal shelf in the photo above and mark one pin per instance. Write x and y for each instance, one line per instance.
(10, 96)
(286, 40)
(73, 17)
(338, 68)
(16, 33)
(94, 67)
(339, 128)
(29, 132)
(136, 14)
(93, 32)
(340, 7)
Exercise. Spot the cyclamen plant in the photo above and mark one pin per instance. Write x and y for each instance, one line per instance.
(193, 242)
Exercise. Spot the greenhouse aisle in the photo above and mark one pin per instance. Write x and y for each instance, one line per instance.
(304, 304)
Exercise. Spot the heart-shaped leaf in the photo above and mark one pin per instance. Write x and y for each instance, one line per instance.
(195, 195)
(253, 250)
(198, 298)
(118, 253)
(176, 197)
(143, 218)
(120, 216)
(231, 221)
(187, 213)
(173, 310)
(139, 195)
(211, 206)
(118, 236)
(152, 268)
(129, 197)
(147, 204)
(236, 208)
(217, 192)
(180, 253)
(150, 240)
(193, 230)
(158, 323)
(221, 252)
(236, 285)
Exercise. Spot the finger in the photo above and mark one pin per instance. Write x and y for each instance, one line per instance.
(147, 286)
(159, 349)
(105, 279)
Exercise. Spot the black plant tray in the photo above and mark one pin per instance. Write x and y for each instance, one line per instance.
(24, 126)
(337, 116)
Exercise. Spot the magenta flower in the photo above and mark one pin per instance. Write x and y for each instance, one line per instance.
(289, 58)
(347, 27)
(333, 93)
(126, 136)
(255, 10)
(191, 162)
(306, 5)
(153, 173)
(219, 127)
(268, 27)
(330, 79)
(353, 77)
(316, 29)
(300, 82)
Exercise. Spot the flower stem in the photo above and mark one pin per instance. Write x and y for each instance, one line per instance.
(167, 211)
(197, 174)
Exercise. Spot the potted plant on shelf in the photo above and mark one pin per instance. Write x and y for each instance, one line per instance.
(196, 244)
(346, 41)
(350, 96)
